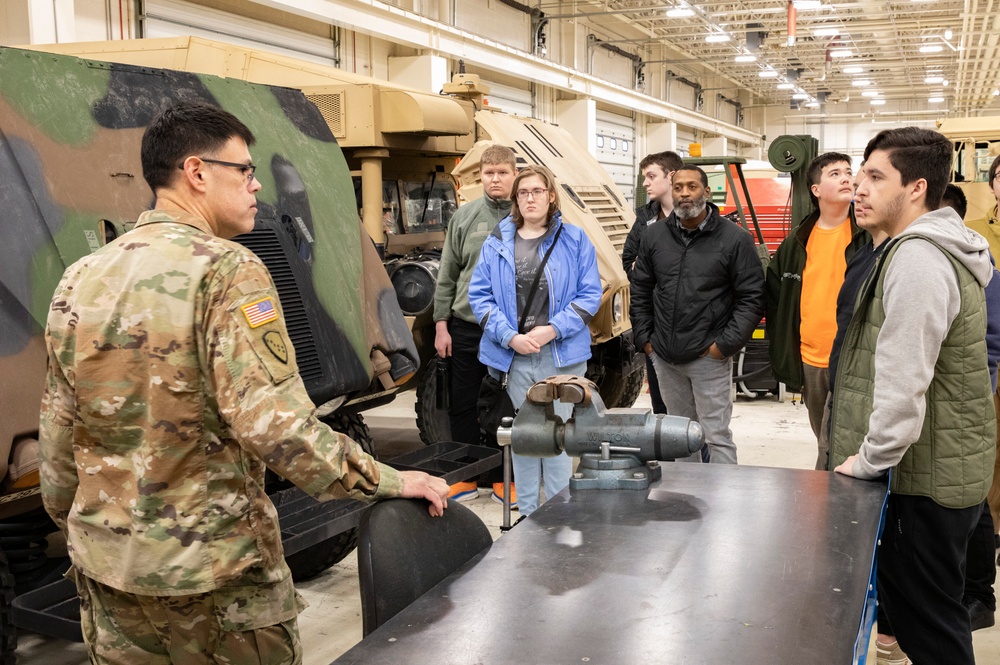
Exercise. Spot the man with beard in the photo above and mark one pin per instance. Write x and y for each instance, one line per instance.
(913, 392)
(697, 296)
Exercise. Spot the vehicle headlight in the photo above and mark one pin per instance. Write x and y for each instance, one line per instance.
(616, 307)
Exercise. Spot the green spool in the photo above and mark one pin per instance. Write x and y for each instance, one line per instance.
(792, 154)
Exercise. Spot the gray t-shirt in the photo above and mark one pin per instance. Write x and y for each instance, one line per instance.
(526, 265)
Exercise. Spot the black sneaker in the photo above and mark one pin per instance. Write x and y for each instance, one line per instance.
(980, 616)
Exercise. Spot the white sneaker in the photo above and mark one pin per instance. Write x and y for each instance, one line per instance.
(890, 654)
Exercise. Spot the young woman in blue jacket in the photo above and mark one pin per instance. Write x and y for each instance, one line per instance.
(555, 337)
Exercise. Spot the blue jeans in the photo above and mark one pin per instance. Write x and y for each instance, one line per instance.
(526, 371)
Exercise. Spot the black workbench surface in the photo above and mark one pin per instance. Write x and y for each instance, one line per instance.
(714, 564)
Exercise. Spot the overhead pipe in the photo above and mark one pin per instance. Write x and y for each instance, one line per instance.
(792, 15)
(521, 7)
(617, 50)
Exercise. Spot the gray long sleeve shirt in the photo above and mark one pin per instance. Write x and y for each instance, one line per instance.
(921, 300)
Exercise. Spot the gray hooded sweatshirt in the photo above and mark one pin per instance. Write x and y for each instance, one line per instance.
(921, 300)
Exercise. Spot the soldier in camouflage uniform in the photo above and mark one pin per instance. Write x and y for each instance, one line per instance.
(171, 384)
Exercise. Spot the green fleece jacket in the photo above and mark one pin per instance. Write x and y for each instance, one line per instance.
(466, 233)
(783, 290)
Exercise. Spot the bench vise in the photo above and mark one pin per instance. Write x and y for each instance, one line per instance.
(618, 448)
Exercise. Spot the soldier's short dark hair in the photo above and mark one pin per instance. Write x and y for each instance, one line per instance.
(183, 130)
(666, 160)
(917, 153)
(816, 166)
(692, 167)
(955, 197)
(498, 154)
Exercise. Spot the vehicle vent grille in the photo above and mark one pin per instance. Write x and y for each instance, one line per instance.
(264, 242)
(332, 108)
(608, 213)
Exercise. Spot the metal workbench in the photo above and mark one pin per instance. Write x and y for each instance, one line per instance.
(714, 564)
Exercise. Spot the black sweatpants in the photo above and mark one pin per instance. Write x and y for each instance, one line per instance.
(980, 565)
(921, 578)
(466, 375)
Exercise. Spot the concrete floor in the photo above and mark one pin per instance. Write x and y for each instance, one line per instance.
(767, 433)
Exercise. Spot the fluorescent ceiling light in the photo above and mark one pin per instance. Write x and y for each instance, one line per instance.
(826, 32)
(877, 102)
(717, 38)
(945, 83)
(746, 58)
(861, 83)
(931, 80)
(767, 74)
(786, 86)
(936, 100)
(996, 92)
(931, 48)
(841, 53)
(853, 69)
(812, 105)
(680, 12)
(800, 95)
(948, 34)
(870, 93)
(806, 5)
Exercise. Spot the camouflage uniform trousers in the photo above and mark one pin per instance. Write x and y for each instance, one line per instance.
(122, 628)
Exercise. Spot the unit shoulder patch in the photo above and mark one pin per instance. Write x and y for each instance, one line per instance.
(275, 343)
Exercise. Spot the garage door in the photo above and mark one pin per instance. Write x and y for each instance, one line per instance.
(516, 101)
(616, 150)
(172, 18)
(685, 137)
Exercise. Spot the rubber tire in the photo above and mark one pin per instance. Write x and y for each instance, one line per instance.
(8, 634)
(317, 558)
(619, 391)
(432, 422)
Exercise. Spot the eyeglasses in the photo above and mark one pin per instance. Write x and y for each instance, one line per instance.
(247, 170)
(525, 194)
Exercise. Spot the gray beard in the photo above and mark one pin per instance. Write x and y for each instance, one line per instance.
(695, 209)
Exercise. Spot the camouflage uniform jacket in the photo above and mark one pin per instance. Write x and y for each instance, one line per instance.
(171, 384)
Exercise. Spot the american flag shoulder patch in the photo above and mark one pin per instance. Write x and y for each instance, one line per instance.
(260, 312)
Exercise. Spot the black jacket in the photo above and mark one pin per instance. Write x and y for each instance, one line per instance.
(685, 297)
(643, 215)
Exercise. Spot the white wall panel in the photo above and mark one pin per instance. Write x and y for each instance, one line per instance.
(495, 20)
(611, 67)
(681, 94)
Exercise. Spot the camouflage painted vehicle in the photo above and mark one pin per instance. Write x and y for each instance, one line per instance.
(69, 152)
(977, 144)
(401, 146)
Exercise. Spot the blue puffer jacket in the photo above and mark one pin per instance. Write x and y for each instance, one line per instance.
(574, 294)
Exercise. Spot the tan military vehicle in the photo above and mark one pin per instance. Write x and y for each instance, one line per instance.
(401, 146)
(977, 144)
